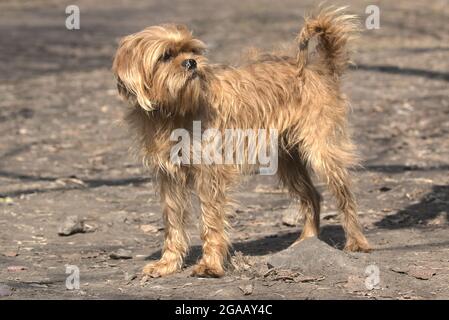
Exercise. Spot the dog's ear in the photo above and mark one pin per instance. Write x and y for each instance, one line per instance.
(125, 93)
(133, 81)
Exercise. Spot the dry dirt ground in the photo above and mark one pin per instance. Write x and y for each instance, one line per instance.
(63, 153)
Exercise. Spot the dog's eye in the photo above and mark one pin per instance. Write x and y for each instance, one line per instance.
(197, 51)
(166, 56)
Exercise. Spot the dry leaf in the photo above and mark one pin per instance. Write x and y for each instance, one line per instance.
(149, 228)
(421, 273)
(16, 268)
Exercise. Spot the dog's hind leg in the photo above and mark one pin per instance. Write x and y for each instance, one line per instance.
(294, 175)
(330, 160)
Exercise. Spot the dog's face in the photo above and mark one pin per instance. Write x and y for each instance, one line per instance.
(161, 68)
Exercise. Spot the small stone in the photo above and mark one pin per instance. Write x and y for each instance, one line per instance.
(72, 225)
(130, 276)
(290, 217)
(6, 200)
(71, 256)
(247, 290)
(10, 254)
(355, 283)
(314, 257)
(149, 228)
(121, 254)
(144, 280)
(5, 290)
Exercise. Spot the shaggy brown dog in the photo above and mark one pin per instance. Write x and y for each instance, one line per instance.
(168, 82)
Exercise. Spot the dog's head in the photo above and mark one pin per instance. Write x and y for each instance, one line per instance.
(161, 68)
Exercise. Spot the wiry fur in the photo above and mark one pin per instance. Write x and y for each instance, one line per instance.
(298, 97)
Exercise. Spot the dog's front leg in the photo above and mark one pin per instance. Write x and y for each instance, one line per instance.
(175, 201)
(211, 190)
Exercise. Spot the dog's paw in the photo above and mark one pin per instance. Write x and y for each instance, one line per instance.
(209, 271)
(357, 246)
(160, 268)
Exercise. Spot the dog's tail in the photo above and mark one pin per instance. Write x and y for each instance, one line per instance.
(334, 30)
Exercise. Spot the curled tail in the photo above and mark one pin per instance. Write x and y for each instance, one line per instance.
(334, 30)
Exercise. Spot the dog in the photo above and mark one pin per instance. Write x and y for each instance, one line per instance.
(163, 74)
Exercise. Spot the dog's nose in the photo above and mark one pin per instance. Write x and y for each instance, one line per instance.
(189, 64)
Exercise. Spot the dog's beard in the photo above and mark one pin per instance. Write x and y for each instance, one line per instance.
(183, 93)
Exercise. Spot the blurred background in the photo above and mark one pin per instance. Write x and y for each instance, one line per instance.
(63, 152)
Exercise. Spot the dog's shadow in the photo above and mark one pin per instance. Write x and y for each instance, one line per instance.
(331, 234)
